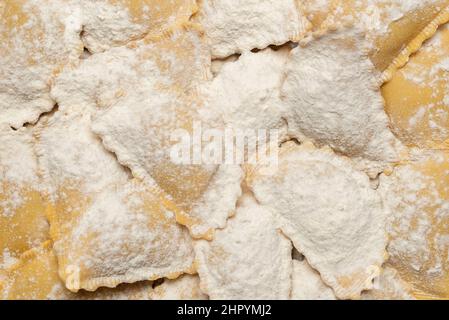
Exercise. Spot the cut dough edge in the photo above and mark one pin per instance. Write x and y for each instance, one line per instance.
(183, 287)
(303, 24)
(432, 16)
(416, 96)
(96, 283)
(387, 285)
(149, 31)
(404, 56)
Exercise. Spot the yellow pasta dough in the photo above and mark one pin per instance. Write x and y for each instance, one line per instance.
(390, 24)
(417, 97)
(96, 204)
(22, 218)
(137, 119)
(388, 286)
(35, 277)
(107, 228)
(417, 195)
(109, 23)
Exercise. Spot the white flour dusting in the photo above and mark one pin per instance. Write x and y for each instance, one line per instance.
(329, 211)
(250, 259)
(123, 75)
(247, 91)
(108, 23)
(417, 194)
(236, 26)
(307, 283)
(38, 39)
(331, 91)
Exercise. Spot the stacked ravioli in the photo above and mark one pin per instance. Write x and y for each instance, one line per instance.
(93, 207)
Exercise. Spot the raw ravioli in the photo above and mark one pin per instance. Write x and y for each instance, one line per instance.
(246, 91)
(107, 229)
(38, 38)
(390, 25)
(417, 194)
(145, 95)
(22, 213)
(329, 211)
(332, 93)
(35, 276)
(250, 259)
(109, 23)
(417, 97)
(236, 26)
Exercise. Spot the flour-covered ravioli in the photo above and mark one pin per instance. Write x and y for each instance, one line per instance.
(246, 91)
(249, 259)
(417, 97)
(106, 228)
(38, 38)
(307, 283)
(186, 287)
(109, 23)
(22, 215)
(329, 211)
(35, 277)
(331, 91)
(388, 286)
(236, 26)
(394, 28)
(417, 194)
(32, 277)
(149, 118)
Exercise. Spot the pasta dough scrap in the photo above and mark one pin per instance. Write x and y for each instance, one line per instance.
(341, 232)
(145, 94)
(388, 286)
(391, 25)
(417, 194)
(22, 216)
(332, 95)
(38, 38)
(236, 26)
(110, 23)
(250, 259)
(36, 277)
(106, 228)
(307, 284)
(417, 97)
(186, 287)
